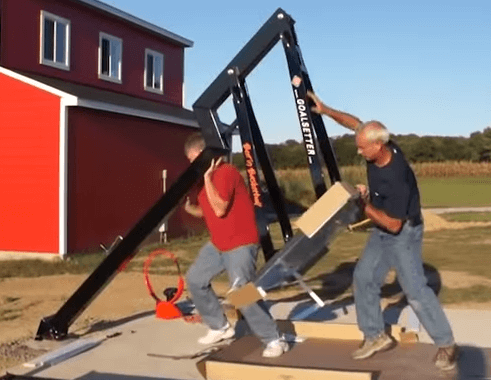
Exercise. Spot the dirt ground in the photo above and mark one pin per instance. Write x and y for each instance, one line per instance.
(25, 301)
(434, 222)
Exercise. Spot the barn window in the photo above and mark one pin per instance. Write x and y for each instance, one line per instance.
(110, 55)
(154, 71)
(55, 41)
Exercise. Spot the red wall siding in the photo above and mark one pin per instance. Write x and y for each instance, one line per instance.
(1, 14)
(115, 174)
(29, 165)
(21, 45)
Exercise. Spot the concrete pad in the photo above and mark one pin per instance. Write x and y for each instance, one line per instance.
(125, 355)
(470, 327)
(11, 255)
(448, 210)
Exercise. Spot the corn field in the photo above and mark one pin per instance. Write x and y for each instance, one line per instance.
(452, 169)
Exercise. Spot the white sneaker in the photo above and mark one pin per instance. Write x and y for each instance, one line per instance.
(215, 336)
(275, 348)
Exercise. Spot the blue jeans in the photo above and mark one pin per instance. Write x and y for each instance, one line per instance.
(402, 252)
(240, 265)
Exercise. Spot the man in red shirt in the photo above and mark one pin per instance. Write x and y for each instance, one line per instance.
(226, 206)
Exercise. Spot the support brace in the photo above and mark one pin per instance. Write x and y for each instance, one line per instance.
(56, 326)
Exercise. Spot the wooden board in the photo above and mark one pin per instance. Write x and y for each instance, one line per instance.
(313, 329)
(239, 371)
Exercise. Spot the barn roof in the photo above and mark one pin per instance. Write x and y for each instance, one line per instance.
(106, 8)
(104, 100)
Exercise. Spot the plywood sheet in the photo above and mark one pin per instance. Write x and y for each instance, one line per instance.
(310, 358)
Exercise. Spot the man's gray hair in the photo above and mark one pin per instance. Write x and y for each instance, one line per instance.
(194, 141)
(375, 131)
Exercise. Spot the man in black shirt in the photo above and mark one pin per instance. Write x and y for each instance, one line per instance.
(391, 201)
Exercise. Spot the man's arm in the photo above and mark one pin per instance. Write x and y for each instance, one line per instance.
(194, 210)
(218, 204)
(343, 118)
(379, 217)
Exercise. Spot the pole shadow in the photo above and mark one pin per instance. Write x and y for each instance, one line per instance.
(334, 291)
(474, 363)
(94, 375)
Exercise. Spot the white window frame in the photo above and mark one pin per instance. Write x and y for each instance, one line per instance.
(145, 86)
(57, 19)
(111, 39)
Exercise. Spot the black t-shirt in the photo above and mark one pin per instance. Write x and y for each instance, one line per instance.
(393, 187)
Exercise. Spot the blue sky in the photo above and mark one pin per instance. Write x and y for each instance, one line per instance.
(420, 67)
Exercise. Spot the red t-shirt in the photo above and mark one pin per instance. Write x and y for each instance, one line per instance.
(238, 226)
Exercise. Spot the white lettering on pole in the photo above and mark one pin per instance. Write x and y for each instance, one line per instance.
(306, 127)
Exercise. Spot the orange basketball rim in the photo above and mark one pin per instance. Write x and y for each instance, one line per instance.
(164, 309)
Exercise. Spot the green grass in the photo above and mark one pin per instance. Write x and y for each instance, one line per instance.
(476, 293)
(10, 314)
(453, 250)
(460, 250)
(77, 264)
(455, 191)
(184, 249)
(435, 192)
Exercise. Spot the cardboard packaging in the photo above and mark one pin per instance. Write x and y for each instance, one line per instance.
(244, 296)
(325, 208)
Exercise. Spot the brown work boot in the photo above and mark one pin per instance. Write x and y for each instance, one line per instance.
(371, 346)
(446, 357)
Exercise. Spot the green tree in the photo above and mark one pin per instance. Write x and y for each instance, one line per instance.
(345, 150)
(426, 150)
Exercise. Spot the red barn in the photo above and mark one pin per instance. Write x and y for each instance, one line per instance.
(91, 114)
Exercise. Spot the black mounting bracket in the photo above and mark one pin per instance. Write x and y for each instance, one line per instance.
(232, 82)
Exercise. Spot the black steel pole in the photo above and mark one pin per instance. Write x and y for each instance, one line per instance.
(305, 119)
(312, 126)
(276, 196)
(250, 159)
(246, 60)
